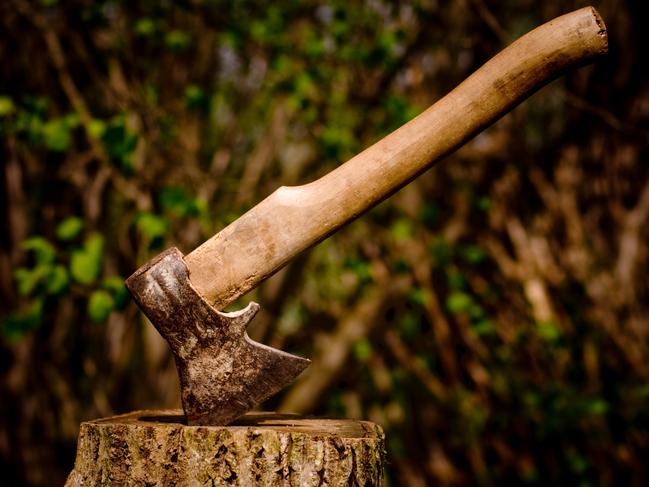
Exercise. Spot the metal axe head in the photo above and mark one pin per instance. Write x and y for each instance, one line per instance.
(223, 373)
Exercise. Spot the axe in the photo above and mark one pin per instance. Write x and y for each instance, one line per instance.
(223, 373)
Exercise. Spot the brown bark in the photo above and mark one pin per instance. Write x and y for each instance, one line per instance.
(156, 448)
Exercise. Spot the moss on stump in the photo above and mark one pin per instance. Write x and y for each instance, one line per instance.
(156, 448)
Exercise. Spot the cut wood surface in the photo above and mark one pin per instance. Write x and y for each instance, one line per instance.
(156, 448)
(293, 219)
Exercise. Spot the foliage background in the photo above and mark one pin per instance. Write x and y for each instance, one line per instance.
(492, 316)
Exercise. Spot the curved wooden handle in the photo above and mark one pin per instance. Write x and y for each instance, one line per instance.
(293, 219)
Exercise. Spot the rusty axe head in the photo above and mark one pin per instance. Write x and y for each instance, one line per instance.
(223, 373)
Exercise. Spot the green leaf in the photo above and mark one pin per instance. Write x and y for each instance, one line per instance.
(44, 251)
(36, 105)
(86, 262)
(459, 302)
(419, 295)
(96, 128)
(362, 350)
(336, 140)
(473, 254)
(69, 228)
(402, 229)
(399, 111)
(115, 285)
(24, 280)
(314, 47)
(120, 142)
(28, 279)
(7, 106)
(145, 26)
(409, 325)
(456, 280)
(95, 244)
(179, 202)
(177, 40)
(484, 328)
(100, 305)
(597, 407)
(57, 135)
(57, 281)
(304, 85)
(200, 206)
(84, 267)
(441, 251)
(195, 98)
(476, 311)
(151, 226)
(72, 120)
(549, 331)
(361, 268)
(429, 213)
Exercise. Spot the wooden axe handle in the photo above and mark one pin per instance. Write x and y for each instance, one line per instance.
(293, 219)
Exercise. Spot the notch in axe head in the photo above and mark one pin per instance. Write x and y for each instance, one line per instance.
(222, 372)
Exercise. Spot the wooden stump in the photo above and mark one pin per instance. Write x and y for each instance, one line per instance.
(156, 448)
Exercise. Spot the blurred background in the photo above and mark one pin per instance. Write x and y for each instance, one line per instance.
(492, 316)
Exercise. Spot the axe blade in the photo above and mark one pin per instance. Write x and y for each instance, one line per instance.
(223, 373)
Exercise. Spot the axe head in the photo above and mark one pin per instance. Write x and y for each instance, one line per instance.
(223, 373)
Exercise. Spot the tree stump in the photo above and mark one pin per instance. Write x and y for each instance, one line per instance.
(156, 448)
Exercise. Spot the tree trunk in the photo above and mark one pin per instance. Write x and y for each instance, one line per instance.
(156, 448)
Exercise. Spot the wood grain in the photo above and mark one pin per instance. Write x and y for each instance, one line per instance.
(293, 219)
(156, 448)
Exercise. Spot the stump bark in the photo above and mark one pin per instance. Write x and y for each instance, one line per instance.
(156, 448)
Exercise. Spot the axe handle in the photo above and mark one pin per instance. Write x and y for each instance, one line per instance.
(293, 219)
